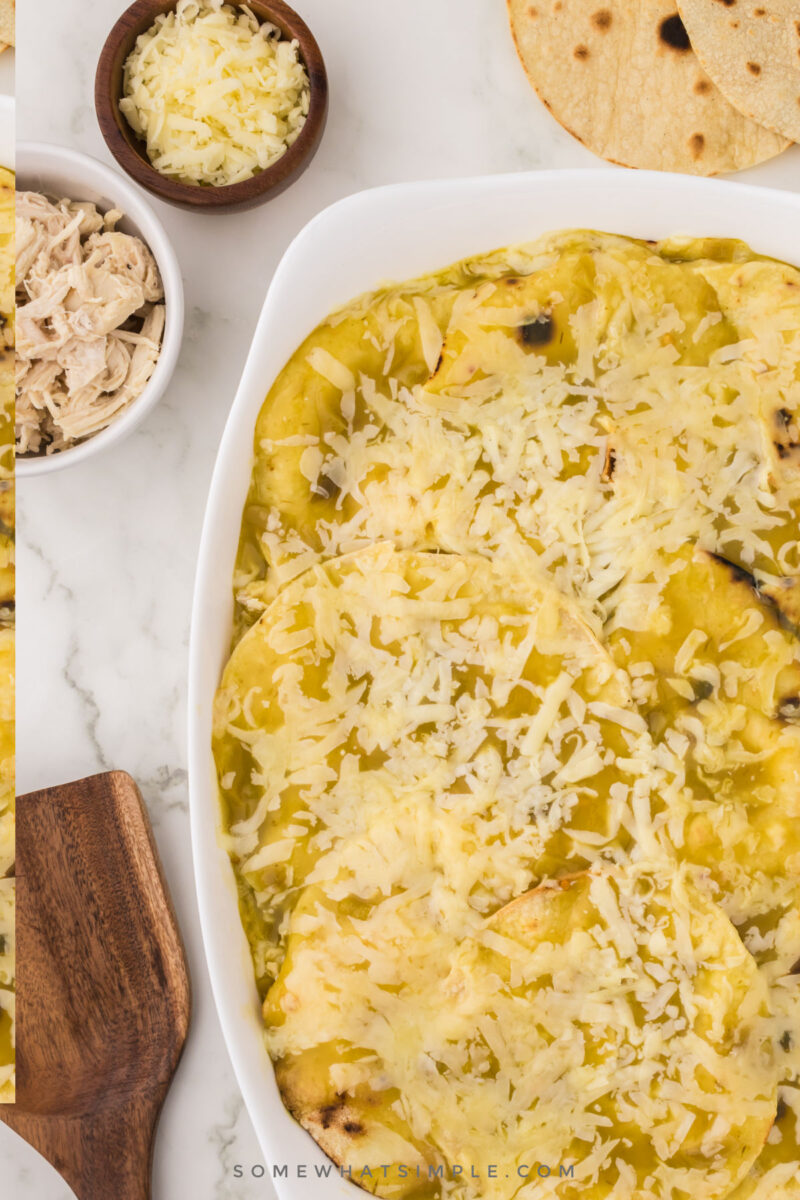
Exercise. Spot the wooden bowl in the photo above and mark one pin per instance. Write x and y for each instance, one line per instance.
(131, 152)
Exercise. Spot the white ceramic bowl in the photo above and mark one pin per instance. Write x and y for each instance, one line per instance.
(390, 233)
(62, 172)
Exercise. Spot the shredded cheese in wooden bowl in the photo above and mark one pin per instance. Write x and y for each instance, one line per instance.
(216, 96)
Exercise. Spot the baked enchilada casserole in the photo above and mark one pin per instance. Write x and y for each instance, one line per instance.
(508, 744)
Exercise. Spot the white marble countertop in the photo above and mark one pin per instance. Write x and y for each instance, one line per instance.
(107, 549)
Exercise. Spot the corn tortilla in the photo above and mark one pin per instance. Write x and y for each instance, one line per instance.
(622, 79)
(752, 52)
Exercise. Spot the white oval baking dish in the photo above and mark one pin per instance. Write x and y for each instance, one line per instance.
(393, 232)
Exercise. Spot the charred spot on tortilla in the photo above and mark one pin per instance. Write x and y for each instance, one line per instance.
(602, 19)
(703, 87)
(328, 1113)
(737, 573)
(539, 331)
(785, 443)
(326, 488)
(702, 688)
(672, 32)
(581, 53)
(609, 465)
(785, 595)
(698, 144)
(754, 68)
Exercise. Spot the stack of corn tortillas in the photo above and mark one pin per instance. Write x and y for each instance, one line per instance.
(700, 86)
(752, 52)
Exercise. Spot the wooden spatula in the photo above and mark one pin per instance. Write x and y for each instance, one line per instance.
(103, 991)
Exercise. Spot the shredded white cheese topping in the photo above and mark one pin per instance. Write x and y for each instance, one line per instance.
(215, 95)
(615, 1023)
(604, 437)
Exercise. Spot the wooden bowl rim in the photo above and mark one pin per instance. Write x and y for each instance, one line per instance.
(130, 152)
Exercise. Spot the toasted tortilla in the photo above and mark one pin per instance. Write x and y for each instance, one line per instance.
(386, 1032)
(752, 52)
(734, 647)
(385, 692)
(774, 1174)
(492, 411)
(621, 77)
(719, 679)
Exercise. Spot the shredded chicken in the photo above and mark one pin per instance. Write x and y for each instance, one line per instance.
(90, 319)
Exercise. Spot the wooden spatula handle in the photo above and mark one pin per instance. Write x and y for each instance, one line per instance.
(103, 990)
(108, 1156)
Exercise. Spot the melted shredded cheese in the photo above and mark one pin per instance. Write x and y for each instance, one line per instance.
(585, 1020)
(603, 669)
